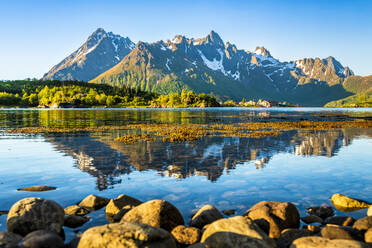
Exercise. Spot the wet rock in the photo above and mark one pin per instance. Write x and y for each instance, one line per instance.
(205, 215)
(321, 211)
(32, 214)
(76, 210)
(235, 232)
(341, 220)
(278, 215)
(345, 203)
(312, 219)
(37, 188)
(93, 202)
(289, 235)
(339, 232)
(74, 221)
(8, 239)
(363, 224)
(186, 235)
(369, 211)
(73, 243)
(41, 239)
(116, 208)
(368, 236)
(313, 228)
(3, 212)
(157, 213)
(317, 242)
(229, 212)
(126, 234)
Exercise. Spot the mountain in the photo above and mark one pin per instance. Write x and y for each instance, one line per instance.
(99, 53)
(210, 65)
(362, 89)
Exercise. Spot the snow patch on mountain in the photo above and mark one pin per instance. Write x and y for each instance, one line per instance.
(215, 65)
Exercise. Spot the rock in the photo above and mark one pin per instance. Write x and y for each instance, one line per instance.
(205, 215)
(8, 239)
(290, 235)
(321, 211)
(32, 214)
(341, 220)
(229, 212)
(3, 212)
(368, 236)
(197, 245)
(157, 213)
(73, 243)
(363, 224)
(278, 215)
(369, 211)
(186, 235)
(126, 234)
(345, 203)
(339, 232)
(312, 219)
(76, 210)
(74, 221)
(236, 232)
(42, 239)
(317, 242)
(313, 228)
(116, 208)
(37, 188)
(93, 202)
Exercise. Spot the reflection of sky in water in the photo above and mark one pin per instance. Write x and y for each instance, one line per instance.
(334, 162)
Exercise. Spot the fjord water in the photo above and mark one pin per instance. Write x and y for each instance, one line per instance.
(303, 167)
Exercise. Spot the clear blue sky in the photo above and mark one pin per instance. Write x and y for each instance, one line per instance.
(35, 35)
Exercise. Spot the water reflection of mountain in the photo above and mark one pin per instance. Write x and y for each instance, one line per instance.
(106, 159)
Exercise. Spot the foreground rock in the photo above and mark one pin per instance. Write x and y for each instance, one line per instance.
(93, 202)
(290, 235)
(116, 208)
(206, 215)
(369, 212)
(321, 211)
(235, 232)
(32, 214)
(345, 203)
(76, 210)
(74, 221)
(317, 242)
(41, 239)
(157, 213)
(126, 234)
(37, 188)
(186, 235)
(363, 224)
(276, 215)
(338, 232)
(341, 220)
(368, 236)
(8, 239)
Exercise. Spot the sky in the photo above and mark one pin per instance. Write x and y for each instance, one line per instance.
(36, 35)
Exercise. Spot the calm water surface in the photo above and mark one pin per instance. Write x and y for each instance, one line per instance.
(305, 168)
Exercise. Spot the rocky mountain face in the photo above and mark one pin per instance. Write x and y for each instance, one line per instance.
(99, 53)
(212, 66)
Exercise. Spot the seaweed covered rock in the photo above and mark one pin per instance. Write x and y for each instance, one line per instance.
(276, 215)
(157, 213)
(93, 202)
(116, 208)
(31, 214)
(235, 232)
(205, 215)
(126, 234)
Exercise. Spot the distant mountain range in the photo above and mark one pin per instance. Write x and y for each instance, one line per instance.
(206, 65)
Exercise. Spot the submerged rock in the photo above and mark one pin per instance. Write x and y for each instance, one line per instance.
(32, 214)
(317, 242)
(74, 221)
(363, 224)
(341, 220)
(93, 202)
(8, 239)
(126, 234)
(76, 210)
(275, 215)
(116, 208)
(206, 215)
(321, 211)
(339, 232)
(346, 204)
(186, 235)
(41, 239)
(38, 188)
(235, 232)
(312, 219)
